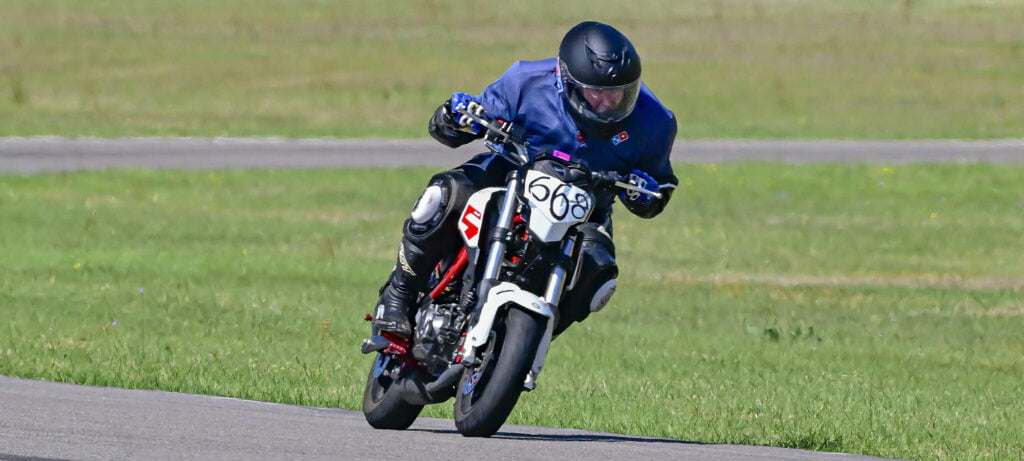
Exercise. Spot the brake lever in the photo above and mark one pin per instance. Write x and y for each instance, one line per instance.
(521, 156)
(611, 178)
(489, 125)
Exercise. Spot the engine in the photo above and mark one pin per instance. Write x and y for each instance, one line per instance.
(438, 330)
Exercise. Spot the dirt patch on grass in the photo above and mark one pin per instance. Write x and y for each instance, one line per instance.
(900, 281)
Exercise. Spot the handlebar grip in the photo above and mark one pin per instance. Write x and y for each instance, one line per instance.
(605, 178)
(500, 132)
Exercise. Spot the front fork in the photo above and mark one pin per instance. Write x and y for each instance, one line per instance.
(553, 296)
(552, 292)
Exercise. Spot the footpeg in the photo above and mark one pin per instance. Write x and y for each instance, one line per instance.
(531, 381)
(374, 344)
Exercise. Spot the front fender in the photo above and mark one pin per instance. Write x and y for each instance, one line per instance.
(500, 295)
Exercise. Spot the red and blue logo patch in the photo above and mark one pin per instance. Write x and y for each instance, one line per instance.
(619, 138)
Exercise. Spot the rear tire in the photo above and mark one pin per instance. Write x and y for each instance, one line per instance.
(487, 394)
(382, 400)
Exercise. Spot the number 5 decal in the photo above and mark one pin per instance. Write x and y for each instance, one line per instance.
(470, 222)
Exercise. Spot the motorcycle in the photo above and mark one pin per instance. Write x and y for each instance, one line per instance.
(483, 330)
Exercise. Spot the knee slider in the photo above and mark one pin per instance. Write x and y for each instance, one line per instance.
(429, 205)
(602, 296)
(435, 212)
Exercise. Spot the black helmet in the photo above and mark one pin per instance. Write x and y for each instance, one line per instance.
(600, 75)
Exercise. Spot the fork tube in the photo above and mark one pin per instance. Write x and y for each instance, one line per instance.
(497, 251)
(553, 292)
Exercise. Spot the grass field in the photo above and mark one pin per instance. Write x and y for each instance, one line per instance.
(356, 68)
(853, 308)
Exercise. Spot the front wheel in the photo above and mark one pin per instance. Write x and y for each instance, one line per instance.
(383, 405)
(487, 393)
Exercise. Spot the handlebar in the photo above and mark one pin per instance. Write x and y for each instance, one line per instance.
(600, 178)
(501, 135)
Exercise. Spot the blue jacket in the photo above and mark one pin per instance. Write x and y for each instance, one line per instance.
(528, 94)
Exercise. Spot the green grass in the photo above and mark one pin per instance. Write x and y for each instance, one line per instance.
(852, 308)
(356, 68)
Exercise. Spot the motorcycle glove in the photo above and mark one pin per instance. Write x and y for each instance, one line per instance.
(446, 129)
(642, 180)
(464, 122)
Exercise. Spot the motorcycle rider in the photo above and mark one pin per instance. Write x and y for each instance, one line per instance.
(588, 102)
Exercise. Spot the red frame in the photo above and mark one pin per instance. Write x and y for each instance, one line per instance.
(461, 261)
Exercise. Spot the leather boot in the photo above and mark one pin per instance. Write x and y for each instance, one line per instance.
(402, 292)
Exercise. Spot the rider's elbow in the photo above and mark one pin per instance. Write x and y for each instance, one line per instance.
(440, 129)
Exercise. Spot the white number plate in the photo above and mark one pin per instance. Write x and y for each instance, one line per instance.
(557, 201)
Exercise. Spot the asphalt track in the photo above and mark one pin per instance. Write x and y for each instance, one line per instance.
(49, 421)
(35, 155)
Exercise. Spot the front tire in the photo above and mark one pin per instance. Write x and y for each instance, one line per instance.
(487, 394)
(383, 405)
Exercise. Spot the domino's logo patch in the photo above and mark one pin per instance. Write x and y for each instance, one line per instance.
(619, 138)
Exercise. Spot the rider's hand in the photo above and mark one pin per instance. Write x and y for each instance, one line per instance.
(642, 180)
(468, 103)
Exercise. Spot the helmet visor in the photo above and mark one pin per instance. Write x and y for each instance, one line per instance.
(603, 104)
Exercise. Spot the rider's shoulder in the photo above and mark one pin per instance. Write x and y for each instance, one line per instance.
(543, 66)
(651, 108)
(525, 76)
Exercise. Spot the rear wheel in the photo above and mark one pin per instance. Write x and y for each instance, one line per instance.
(382, 400)
(487, 394)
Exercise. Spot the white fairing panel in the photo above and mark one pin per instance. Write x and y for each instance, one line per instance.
(473, 215)
(555, 206)
(500, 295)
